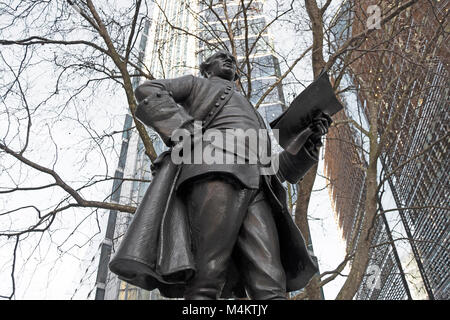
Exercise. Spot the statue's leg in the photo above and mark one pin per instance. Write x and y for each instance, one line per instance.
(258, 253)
(216, 210)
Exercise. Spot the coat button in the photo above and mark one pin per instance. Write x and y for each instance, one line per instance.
(222, 97)
(211, 113)
(217, 104)
(145, 101)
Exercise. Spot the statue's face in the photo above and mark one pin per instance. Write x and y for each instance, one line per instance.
(223, 65)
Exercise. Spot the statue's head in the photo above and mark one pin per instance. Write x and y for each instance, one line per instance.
(221, 64)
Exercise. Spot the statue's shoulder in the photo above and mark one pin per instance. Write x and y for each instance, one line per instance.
(203, 82)
(196, 80)
(200, 79)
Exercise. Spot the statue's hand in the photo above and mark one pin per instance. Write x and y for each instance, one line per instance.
(319, 126)
(321, 123)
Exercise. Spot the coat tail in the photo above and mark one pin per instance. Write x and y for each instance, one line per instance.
(142, 258)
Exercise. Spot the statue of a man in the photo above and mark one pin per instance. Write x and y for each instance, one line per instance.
(218, 229)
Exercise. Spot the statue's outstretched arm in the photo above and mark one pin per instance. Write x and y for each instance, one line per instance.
(293, 168)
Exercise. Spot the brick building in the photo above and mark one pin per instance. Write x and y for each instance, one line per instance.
(402, 71)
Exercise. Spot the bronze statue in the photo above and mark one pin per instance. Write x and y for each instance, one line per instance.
(205, 231)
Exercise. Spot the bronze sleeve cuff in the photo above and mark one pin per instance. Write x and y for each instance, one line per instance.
(294, 167)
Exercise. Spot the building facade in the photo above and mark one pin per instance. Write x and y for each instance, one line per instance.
(402, 70)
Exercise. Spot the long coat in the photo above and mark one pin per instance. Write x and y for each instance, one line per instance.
(156, 249)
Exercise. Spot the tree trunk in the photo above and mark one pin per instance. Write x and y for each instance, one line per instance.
(361, 258)
(305, 186)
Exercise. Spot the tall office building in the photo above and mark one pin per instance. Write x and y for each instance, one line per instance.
(406, 77)
(179, 35)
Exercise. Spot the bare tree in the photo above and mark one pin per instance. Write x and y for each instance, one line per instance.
(385, 73)
(57, 59)
(68, 64)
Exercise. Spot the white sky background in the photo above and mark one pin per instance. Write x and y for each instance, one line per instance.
(51, 269)
(50, 275)
(328, 245)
